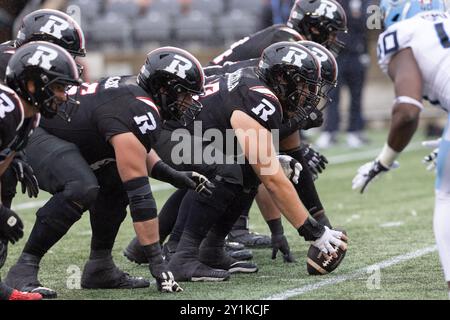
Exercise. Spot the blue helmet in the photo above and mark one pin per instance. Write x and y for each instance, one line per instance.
(394, 11)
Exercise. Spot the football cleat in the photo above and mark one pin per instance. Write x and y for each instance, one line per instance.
(250, 239)
(19, 295)
(104, 274)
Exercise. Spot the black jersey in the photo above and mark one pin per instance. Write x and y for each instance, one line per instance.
(241, 90)
(109, 107)
(7, 49)
(229, 67)
(14, 127)
(252, 46)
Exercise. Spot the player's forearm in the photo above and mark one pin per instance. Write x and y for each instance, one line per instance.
(152, 159)
(404, 124)
(266, 205)
(285, 198)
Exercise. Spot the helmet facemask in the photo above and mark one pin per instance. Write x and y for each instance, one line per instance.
(177, 102)
(45, 99)
(298, 95)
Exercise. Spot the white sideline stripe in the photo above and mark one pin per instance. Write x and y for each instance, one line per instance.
(349, 276)
(40, 203)
(339, 159)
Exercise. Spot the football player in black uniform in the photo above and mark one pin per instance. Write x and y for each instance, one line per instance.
(41, 25)
(315, 20)
(270, 212)
(113, 130)
(250, 100)
(37, 76)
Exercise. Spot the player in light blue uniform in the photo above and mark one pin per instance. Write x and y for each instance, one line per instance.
(414, 51)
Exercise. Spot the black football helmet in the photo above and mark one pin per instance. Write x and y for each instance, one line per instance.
(293, 73)
(168, 75)
(52, 26)
(319, 21)
(45, 64)
(328, 70)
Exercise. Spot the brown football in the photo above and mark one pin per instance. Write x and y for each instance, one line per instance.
(318, 264)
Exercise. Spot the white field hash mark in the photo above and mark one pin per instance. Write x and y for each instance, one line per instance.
(352, 275)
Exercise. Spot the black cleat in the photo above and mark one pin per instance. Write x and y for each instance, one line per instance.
(104, 274)
(237, 251)
(23, 277)
(233, 246)
(190, 269)
(250, 239)
(241, 255)
(134, 252)
(217, 257)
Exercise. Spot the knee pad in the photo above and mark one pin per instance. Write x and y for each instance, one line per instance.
(82, 192)
(59, 213)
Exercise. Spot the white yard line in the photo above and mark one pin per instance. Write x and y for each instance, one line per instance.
(352, 275)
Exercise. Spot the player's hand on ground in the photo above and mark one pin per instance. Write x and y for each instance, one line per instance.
(280, 243)
(166, 283)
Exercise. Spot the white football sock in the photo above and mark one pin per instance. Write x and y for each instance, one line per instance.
(441, 224)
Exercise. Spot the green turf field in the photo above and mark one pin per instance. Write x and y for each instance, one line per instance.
(392, 220)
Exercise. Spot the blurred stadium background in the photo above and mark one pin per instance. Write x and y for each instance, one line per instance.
(119, 33)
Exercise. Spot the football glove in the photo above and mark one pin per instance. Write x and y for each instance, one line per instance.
(368, 172)
(316, 161)
(291, 167)
(25, 175)
(166, 283)
(280, 243)
(11, 226)
(329, 239)
(430, 160)
(182, 179)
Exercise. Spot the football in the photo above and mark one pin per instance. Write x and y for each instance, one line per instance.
(318, 264)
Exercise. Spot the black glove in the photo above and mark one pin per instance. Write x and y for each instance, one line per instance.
(165, 281)
(279, 241)
(11, 226)
(24, 173)
(182, 179)
(316, 161)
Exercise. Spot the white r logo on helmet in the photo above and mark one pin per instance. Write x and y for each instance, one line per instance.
(54, 26)
(327, 9)
(319, 54)
(295, 56)
(43, 56)
(179, 66)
